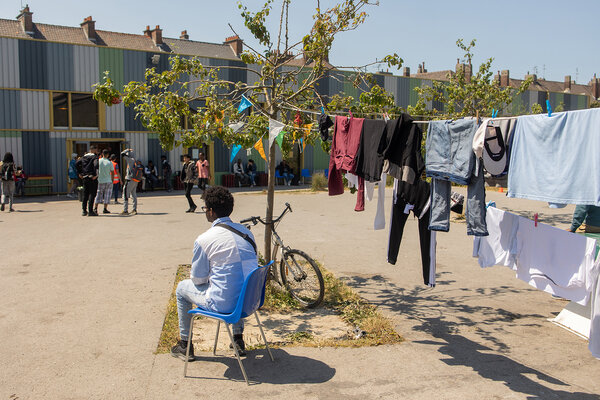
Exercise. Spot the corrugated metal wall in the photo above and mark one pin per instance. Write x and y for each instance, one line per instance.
(115, 117)
(222, 153)
(59, 67)
(154, 149)
(10, 141)
(9, 63)
(112, 135)
(35, 110)
(32, 64)
(134, 66)
(175, 154)
(58, 163)
(112, 60)
(320, 158)
(10, 109)
(36, 157)
(86, 67)
(308, 157)
(139, 143)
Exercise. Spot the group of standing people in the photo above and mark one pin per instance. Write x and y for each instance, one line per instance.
(97, 176)
(194, 173)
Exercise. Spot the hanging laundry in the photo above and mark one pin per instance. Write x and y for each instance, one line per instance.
(325, 123)
(555, 159)
(402, 148)
(369, 162)
(344, 146)
(450, 158)
(492, 144)
(419, 205)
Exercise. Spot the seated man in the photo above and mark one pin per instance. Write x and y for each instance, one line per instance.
(251, 170)
(238, 171)
(221, 262)
(150, 175)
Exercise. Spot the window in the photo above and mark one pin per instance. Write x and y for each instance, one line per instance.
(74, 110)
(60, 105)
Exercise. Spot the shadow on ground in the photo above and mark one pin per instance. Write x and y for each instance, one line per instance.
(443, 318)
(286, 369)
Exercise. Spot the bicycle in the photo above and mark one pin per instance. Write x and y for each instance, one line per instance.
(299, 273)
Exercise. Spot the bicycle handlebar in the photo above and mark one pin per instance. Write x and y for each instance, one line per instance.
(256, 220)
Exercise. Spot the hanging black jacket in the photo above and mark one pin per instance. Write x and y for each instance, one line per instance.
(402, 148)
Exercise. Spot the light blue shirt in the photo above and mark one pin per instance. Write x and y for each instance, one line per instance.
(557, 159)
(105, 166)
(223, 259)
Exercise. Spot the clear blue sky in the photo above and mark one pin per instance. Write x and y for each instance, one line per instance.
(557, 38)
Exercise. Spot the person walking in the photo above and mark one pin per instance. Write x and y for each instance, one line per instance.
(87, 169)
(73, 177)
(203, 172)
(189, 176)
(7, 181)
(133, 176)
(166, 173)
(106, 172)
(116, 178)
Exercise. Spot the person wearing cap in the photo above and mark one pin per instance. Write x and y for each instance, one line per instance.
(588, 214)
(73, 177)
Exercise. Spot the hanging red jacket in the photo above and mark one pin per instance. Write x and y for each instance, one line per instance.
(344, 147)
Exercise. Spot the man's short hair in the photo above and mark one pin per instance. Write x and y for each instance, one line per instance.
(220, 200)
(186, 156)
(93, 147)
(105, 152)
(113, 156)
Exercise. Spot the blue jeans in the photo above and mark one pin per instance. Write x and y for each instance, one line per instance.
(187, 295)
(475, 213)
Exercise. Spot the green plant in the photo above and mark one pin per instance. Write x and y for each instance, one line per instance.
(318, 182)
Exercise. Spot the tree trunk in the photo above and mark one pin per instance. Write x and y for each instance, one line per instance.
(270, 201)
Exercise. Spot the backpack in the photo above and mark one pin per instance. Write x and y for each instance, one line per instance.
(8, 171)
(138, 172)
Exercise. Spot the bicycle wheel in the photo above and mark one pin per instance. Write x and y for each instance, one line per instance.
(302, 278)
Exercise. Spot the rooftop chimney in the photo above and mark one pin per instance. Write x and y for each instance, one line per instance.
(504, 78)
(534, 76)
(236, 44)
(89, 28)
(567, 85)
(406, 71)
(424, 69)
(595, 84)
(26, 20)
(184, 35)
(155, 34)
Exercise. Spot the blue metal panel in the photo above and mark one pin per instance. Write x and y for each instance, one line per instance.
(403, 89)
(379, 79)
(154, 151)
(336, 83)
(59, 67)
(58, 164)
(113, 135)
(134, 66)
(85, 67)
(131, 122)
(32, 64)
(35, 110)
(221, 152)
(10, 109)
(163, 61)
(36, 157)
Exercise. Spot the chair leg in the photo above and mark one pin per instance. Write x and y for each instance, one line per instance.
(216, 338)
(263, 335)
(187, 351)
(236, 353)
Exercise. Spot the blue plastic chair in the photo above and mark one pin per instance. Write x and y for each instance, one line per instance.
(305, 173)
(278, 176)
(326, 173)
(252, 297)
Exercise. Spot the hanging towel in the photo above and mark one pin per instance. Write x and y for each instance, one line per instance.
(556, 159)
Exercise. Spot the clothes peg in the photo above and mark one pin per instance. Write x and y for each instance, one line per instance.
(549, 108)
(535, 218)
(322, 110)
(351, 116)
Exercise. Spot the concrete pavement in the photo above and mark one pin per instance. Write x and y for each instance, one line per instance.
(82, 302)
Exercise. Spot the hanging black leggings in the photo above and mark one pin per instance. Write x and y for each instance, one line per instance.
(396, 230)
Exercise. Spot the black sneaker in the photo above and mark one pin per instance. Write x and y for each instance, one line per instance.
(239, 342)
(105, 211)
(84, 213)
(2, 207)
(92, 214)
(180, 349)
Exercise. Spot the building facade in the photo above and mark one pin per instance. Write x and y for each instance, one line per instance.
(47, 111)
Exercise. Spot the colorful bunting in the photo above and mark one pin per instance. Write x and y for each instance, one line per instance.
(261, 150)
(237, 126)
(306, 128)
(234, 151)
(275, 128)
(244, 104)
(279, 139)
